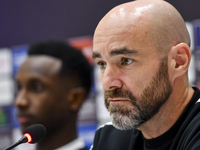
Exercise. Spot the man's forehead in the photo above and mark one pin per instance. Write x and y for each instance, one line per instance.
(120, 34)
(41, 64)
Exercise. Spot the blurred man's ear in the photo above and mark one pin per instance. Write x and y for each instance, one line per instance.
(76, 97)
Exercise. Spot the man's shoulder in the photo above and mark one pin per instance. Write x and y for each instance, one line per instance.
(84, 148)
(189, 132)
(109, 130)
(108, 137)
(106, 126)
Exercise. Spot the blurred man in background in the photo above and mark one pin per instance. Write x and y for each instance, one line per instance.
(53, 83)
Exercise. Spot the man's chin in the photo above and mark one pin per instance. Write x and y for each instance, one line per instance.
(23, 127)
(123, 122)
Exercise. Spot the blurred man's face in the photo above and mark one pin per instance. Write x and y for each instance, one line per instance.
(41, 96)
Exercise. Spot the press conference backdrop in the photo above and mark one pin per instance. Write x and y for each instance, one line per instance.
(93, 112)
(26, 21)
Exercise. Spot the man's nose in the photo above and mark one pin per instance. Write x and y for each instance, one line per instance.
(22, 99)
(111, 78)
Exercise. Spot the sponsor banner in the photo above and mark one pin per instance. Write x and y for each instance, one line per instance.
(191, 71)
(190, 28)
(6, 91)
(5, 127)
(197, 65)
(103, 115)
(5, 117)
(196, 24)
(15, 122)
(87, 131)
(88, 109)
(5, 138)
(85, 45)
(5, 62)
(19, 54)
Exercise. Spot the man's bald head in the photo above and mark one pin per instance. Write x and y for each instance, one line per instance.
(155, 20)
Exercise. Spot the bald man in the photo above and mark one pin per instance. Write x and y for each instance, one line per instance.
(142, 49)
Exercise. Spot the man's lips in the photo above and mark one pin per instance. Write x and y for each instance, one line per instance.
(114, 100)
(24, 119)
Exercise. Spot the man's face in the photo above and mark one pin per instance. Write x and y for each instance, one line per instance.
(40, 97)
(145, 106)
(134, 77)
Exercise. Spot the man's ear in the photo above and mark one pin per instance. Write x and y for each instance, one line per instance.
(76, 97)
(181, 56)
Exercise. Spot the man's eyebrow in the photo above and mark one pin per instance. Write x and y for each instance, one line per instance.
(123, 51)
(114, 52)
(96, 55)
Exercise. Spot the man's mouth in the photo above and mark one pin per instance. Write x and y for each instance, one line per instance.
(114, 100)
(24, 119)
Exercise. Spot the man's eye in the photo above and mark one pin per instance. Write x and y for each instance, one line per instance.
(126, 61)
(102, 65)
(18, 86)
(37, 87)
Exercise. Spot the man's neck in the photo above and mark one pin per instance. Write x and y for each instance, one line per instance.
(58, 139)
